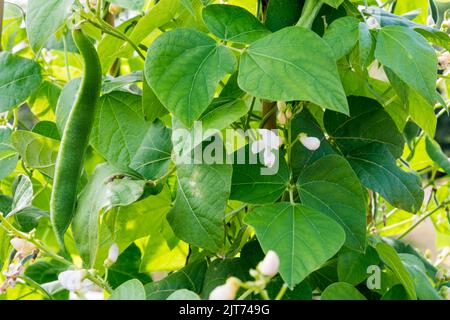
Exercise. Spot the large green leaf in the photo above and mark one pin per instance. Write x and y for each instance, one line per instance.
(198, 212)
(119, 127)
(303, 238)
(342, 35)
(411, 57)
(107, 189)
(372, 149)
(233, 23)
(184, 67)
(19, 78)
(44, 18)
(250, 185)
(130, 290)
(341, 291)
(8, 155)
(274, 66)
(330, 186)
(393, 261)
(37, 152)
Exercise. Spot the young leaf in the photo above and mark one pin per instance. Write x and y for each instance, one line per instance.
(19, 78)
(411, 57)
(8, 155)
(330, 186)
(130, 290)
(198, 212)
(184, 67)
(272, 67)
(303, 238)
(341, 291)
(37, 152)
(233, 23)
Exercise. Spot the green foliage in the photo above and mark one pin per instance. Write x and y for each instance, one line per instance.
(176, 189)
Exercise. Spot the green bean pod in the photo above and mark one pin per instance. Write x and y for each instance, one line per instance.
(75, 139)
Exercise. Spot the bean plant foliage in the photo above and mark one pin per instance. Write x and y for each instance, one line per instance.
(336, 101)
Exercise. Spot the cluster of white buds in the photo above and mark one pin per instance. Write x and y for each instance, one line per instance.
(113, 254)
(12, 274)
(226, 291)
(284, 112)
(444, 60)
(25, 251)
(310, 143)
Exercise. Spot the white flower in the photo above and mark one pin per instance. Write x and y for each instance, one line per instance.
(22, 246)
(270, 265)
(310, 143)
(430, 21)
(372, 23)
(72, 280)
(269, 142)
(113, 254)
(226, 291)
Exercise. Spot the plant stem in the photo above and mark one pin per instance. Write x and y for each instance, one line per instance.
(245, 294)
(309, 13)
(423, 218)
(269, 120)
(282, 291)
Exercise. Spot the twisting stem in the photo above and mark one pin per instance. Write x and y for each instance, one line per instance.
(309, 13)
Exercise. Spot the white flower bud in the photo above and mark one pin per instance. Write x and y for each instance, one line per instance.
(226, 291)
(281, 105)
(113, 254)
(372, 23)
(430, 21)
(282, 118)
(288, 114)
(72, 280)
(22, 246)
(270, 265)
(310, 143)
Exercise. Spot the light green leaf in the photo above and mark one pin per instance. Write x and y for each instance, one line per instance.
(330, 186)
(303, 238)
(341, 291)
(130, 290)
(153, 156)
(390, 257)
(272, 67)
(233, 23)
(119, 127)
(19, 78)
(365, 44)
(198, 212)
(437, 155)
(65, 103)
(184, 67)
(37, 152)
(108, 188)
(411, 57)
(222, 112)
(44, 18)
(342, 35)
(22, 194)
(8, 155)
(184, 295)
(422, 113)
(250, 185)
